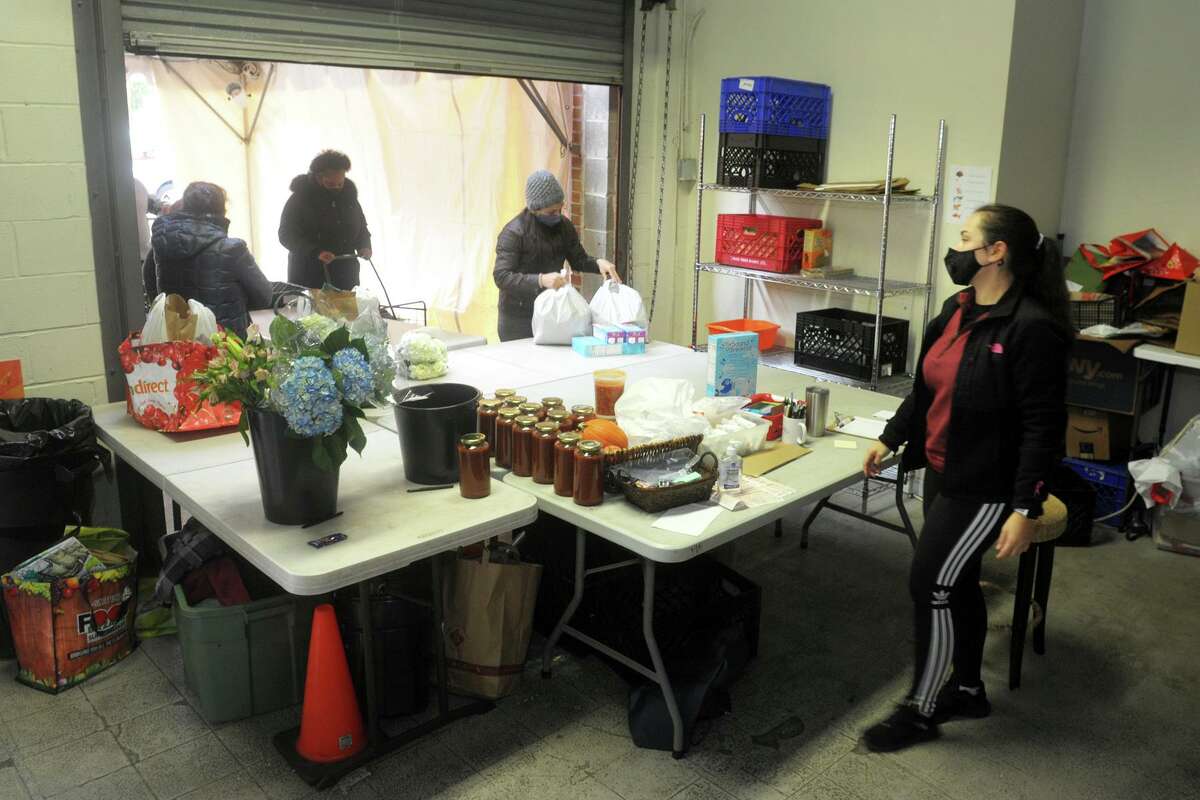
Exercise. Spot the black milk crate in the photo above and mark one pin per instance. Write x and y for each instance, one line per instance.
(842, 341)
(763, 161)
(1104, 310)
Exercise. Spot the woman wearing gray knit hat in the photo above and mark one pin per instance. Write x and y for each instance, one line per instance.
(530, 254)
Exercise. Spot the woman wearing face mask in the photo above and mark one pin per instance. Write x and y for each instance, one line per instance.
(530, 254)
(323, 220)
(987, 420)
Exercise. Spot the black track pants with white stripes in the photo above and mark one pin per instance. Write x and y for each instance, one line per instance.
(950, 615)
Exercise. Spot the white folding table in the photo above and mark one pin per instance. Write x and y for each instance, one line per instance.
(816, 476)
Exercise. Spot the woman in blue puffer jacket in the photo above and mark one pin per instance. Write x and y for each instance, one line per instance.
(193, 255)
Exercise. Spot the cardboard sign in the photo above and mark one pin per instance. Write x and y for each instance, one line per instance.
(12, 385)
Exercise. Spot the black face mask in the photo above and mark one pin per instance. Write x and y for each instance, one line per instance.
(962, 265)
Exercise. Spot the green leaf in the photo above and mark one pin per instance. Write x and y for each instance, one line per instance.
(354, 433)
(244, 426)
(353, 411)
(336, 341)
(361, 346)
(284, 332)
(335, 445)
(320, 455)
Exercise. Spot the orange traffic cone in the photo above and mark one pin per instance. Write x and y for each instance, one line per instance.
(331, 727)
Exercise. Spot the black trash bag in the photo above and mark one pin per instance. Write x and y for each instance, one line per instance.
(48, 455)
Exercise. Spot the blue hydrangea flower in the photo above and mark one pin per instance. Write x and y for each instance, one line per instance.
(308, 398)
(358, 384)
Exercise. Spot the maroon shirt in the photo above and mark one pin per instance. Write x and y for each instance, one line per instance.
(940, 372)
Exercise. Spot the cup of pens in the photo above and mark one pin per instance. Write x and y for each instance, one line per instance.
(794, 429)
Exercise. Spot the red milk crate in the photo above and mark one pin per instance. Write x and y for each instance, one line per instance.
(762, 241)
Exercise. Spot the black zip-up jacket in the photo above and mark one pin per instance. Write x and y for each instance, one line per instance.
(1008, 415)
(315, 219)
(195, 257)
(527, 248)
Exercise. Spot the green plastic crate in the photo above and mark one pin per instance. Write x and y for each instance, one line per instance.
(245, 660)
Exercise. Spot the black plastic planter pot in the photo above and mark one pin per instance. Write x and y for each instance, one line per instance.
(295, 491)
(430, 419)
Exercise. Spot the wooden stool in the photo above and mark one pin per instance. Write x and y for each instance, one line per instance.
(1033, 582)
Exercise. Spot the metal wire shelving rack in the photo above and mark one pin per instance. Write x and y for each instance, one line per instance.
(877, 286)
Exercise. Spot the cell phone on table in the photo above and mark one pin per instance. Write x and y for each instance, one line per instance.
(332, 538)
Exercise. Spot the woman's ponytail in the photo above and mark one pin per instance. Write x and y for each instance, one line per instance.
(1035, 260)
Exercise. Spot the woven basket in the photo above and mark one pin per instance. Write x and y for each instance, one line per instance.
(662, 498)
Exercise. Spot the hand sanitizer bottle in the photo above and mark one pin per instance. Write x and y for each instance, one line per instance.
(730, 469)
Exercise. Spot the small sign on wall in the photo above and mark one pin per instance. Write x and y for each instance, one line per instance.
(967, 188)
(12, 385)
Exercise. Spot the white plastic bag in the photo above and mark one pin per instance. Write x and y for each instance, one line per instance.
(618, 304)
(155, 330)
(658, 409)
(1172, 469)
(748, 431)
(560, 315)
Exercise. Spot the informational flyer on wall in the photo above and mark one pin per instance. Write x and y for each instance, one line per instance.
(967, 188)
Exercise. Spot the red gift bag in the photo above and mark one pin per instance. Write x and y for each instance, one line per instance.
(160, 392)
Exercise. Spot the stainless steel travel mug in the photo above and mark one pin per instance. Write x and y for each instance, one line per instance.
(816, 400)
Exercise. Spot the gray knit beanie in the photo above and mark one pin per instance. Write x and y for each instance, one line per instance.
(542, 190)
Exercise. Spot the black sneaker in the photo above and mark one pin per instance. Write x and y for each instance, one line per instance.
(904, 728)
(954, 702)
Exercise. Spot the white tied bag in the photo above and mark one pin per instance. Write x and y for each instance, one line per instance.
(618, 304)
(560, 315)
(155, 329)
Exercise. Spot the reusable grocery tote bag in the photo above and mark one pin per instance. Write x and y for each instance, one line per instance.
(560, 315)
(489, 619)
(72, 616)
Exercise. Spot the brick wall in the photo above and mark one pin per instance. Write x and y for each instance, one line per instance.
(575, 136)
(48, 312)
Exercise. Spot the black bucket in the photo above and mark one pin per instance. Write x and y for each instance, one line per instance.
(429, 429)
(295, 491)
(403, 633)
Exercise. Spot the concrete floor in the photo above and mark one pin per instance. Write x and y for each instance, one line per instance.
(1112, 710)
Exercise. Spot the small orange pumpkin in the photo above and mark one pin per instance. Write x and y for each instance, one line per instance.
(606, 432)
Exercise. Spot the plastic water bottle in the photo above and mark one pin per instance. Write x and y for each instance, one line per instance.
(729, 469)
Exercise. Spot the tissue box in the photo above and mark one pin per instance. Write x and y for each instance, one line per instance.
(609, 334)
(732, 364)
(635, 334)
(629, 349)
(592, 347)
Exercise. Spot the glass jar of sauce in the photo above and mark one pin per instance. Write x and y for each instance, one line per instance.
(485, 418)
(562, 418)
(474, 471)
(522, 446)
(553, 402)
(582, 414)
(564, 463)
(545, 434)
(504, 437)
(533, 410)
(589, 473)
(504, 394)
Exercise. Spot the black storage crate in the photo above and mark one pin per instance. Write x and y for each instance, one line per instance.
(1107, 310)
(841, 341)
(763, 161)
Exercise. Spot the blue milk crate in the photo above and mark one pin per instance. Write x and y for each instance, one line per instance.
(1111, 482)
(776, 106)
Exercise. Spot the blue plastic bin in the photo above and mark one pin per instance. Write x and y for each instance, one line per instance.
(776, 106)
(1111, 482)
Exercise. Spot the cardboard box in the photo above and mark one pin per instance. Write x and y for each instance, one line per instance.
(1103, 374)
(1187, 340)
(732, 364)
(818, 249)
(1098, 435)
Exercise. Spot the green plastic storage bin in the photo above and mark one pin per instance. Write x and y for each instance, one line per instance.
(245, 660)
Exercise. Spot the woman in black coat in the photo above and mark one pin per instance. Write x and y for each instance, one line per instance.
(193, 255)
(323, 220)
(987, 420)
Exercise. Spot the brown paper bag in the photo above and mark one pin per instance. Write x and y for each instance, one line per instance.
(179, 319)
(489, 620)
(335, 303)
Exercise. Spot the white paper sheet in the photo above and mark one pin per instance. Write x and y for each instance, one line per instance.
(864, 427)
(967, 188)
(884, 415)
(690, 520)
